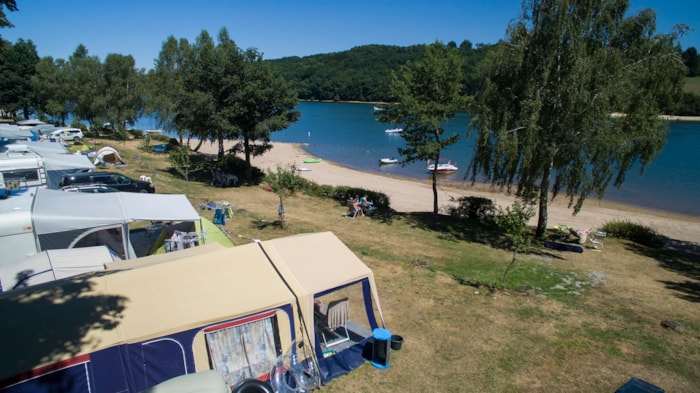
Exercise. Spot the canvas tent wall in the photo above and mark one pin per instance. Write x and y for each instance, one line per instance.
(127, 330)
(62, 218)
(329, 268)
(134, 328)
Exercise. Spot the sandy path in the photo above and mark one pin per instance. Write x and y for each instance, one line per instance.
(408, 195)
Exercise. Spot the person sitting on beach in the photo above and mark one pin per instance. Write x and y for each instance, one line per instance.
(581, 234)
(356, 205)
(223, 179)
(365, 203)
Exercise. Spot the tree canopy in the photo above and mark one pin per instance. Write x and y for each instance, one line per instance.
(428, 92)
(218, 92)
(543, 119)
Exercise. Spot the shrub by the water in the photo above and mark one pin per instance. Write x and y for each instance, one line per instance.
(639, 234)
(473, 207)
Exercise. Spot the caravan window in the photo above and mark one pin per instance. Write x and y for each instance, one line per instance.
(245, 348)
(21, 174)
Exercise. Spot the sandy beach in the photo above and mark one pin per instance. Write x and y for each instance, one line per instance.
(409, 195)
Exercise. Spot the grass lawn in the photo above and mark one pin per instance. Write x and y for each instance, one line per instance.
(692, 85)
(592, 323)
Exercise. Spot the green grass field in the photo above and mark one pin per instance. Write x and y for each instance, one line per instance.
(692, 85)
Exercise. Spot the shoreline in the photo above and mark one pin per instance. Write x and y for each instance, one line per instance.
(413, 195)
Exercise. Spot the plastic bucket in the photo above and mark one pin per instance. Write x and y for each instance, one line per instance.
(396, 342)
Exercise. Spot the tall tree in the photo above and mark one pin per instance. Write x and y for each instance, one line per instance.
(203, 79)
(124, 90)
(50, 85)
(165, 84)
(264, 104)
(690, 59)
(11, 6)
(427, 93)
(87, 86)
(543, 119)
(18, 64)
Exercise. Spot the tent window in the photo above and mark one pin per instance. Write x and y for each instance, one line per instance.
(245, 350)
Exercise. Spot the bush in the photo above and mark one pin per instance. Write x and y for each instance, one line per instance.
(343, 193)
(473, 208)
(639, 234)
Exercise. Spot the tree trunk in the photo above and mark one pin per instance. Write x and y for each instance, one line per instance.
(220, 155)
(246, 152)
(544, 199)
(435, 190)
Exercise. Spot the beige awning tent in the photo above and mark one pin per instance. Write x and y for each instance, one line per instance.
(150, 299)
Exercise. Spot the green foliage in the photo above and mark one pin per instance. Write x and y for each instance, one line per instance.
(513, 222)
(472, 207)
(179, 158)
(364, 73)
(543, 118)
(218, 92)
(691, 60)
(17, 65)
(637, 233)
(284, 182)
(690, 106)
(428, 92)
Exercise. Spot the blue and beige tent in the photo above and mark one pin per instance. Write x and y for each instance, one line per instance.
(235, 310)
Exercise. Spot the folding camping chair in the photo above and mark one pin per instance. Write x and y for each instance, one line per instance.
(597, 239)
(336, 318)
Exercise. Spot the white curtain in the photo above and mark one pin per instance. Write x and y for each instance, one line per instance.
(243, 351)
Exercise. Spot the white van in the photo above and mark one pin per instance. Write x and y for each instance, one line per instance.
(66, 134)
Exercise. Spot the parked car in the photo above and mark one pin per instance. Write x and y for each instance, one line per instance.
(111, 179)
(66, 134)
(89, 188)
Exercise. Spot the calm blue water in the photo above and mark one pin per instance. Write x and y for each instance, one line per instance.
(349, 135)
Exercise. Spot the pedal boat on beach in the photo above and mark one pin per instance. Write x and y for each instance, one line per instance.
(312, 160)
(391, 160)
(443, 166)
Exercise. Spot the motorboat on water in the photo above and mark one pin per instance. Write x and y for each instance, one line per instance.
(443, 166)
(393, 130)
(391, 160)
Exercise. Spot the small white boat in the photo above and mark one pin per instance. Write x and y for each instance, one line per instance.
(303, 169)
(393, 130)
(443, 166)
(391, 160)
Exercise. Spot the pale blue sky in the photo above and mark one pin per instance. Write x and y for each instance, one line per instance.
(281, 28)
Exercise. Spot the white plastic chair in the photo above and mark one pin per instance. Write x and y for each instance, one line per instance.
(597, 239)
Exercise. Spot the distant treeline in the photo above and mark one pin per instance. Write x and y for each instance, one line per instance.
(363, 73)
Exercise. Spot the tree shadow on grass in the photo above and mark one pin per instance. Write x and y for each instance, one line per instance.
(457, 229)
(678, 256)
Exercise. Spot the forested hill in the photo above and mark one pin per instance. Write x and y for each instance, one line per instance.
(363, 73)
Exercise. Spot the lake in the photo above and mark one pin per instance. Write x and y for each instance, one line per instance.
(349, 134)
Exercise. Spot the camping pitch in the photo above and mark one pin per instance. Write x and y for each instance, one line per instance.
(237, 311)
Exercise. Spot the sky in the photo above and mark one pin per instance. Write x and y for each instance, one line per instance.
(281, 28)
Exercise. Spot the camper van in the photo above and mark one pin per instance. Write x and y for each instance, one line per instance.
(22, 169)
